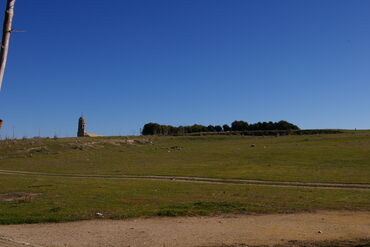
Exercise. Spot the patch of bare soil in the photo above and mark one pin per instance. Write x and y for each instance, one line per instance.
(17, 197)
(230, 230)
(99, 143)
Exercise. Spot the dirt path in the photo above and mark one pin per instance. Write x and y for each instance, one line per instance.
(194, 231)
(7, 243)
(352, 186)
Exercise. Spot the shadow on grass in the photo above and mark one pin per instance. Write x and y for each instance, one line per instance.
(296, 243)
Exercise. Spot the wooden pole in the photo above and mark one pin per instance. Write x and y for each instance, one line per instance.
(7, 30)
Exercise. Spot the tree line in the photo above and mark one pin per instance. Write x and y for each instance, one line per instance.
(157, 129)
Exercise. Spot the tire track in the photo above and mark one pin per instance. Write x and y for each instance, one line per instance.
(206, 180)
(5, 242)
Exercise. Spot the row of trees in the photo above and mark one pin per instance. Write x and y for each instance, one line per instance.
(157, 129)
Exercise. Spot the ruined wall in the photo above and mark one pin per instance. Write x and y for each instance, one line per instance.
(81, 132)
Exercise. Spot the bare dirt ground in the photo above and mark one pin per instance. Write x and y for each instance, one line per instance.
(227, 230)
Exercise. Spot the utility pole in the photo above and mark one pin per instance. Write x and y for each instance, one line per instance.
(7, 30)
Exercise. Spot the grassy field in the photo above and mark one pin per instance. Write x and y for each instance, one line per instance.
(340, 158)
(64, 199)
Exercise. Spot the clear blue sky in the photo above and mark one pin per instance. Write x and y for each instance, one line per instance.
(125, 63)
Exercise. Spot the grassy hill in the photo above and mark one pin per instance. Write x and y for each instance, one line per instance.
(339, 158)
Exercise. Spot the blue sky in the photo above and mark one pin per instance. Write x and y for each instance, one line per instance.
(125, 63)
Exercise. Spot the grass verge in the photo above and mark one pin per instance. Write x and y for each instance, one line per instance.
(68, 199)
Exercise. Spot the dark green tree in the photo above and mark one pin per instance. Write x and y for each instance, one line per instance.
(218, 128)
(239, 126)
(152, 129)
(226, 127)
(211, 128)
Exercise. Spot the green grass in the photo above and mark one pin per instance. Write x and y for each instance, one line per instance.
(66, 199)
(341, 158)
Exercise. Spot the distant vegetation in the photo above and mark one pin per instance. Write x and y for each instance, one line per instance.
(241, 126)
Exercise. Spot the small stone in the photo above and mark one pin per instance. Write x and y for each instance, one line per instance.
(319, 232)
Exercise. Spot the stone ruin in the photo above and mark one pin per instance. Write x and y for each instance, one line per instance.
(81, 132)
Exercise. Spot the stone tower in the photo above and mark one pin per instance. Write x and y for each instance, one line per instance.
(81, 127)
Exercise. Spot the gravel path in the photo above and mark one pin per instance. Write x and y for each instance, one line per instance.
(193, 231)
(341, 186)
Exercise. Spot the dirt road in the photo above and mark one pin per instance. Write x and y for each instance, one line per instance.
(338, 186)
(193, 231)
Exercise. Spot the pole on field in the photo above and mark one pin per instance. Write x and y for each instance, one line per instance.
(7, 30)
